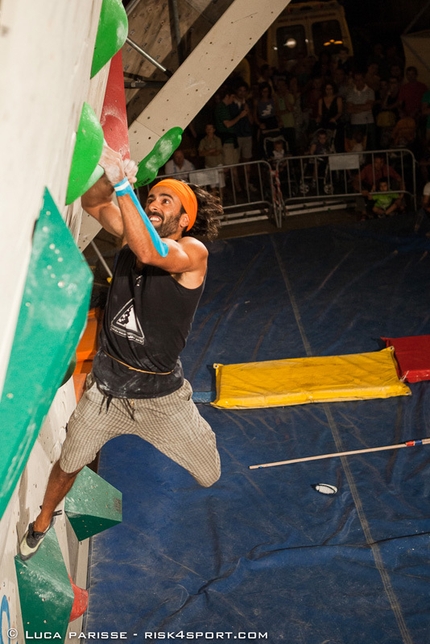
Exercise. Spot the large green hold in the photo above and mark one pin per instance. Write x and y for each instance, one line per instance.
(159, 155)
(84, 169)
(52, 317)
(111, 33)
(45, 593)
(92, 505)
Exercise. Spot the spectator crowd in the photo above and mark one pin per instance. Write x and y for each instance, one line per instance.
(382, 106)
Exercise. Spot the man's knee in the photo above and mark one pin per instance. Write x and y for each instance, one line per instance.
(210, 476)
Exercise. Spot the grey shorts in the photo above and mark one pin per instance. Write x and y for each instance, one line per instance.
(245, 147)
(230, 154)
(171, 423)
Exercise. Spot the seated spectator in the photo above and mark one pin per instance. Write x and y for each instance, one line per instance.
(279, 151)
(321, 145)
(373, 172)
(385, 203)
(179, 167)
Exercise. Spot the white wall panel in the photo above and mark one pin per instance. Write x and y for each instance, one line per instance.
(46, 49)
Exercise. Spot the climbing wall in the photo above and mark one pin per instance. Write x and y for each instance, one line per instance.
(52, 84)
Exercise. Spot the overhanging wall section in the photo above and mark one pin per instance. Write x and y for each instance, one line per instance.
(205, 69)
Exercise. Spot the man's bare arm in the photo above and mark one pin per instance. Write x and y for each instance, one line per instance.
(98, 203)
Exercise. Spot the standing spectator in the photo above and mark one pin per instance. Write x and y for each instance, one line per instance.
(345, 61)
(284, 101)
(266, 76)
(356, 144)
(243, 127)
(300, 118)
(392, 60)
(323, 66)
(225, 128)
(311, 99)
(178, 166)
(372, 77)
(265, 116)
(397, 72)
(377, 56)
(359, 104)
(388, 111)
(210, 147)
(411, 93)
(425, 111)
(330, 111)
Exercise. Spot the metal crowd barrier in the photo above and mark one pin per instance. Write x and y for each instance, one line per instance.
(259, 190)
(313, 183)
(247, 190)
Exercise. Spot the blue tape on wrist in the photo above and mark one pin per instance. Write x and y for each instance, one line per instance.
(124, 188)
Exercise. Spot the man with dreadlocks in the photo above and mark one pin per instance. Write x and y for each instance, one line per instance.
(137, 384)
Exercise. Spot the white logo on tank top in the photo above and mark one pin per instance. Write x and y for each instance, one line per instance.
(126, 324)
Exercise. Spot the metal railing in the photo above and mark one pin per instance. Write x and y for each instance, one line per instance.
(247, 190)
(334, 180)
(258, 190)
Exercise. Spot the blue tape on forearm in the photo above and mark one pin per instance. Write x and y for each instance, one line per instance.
(124, 188)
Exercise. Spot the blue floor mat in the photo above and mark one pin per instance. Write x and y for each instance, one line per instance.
(261, 555)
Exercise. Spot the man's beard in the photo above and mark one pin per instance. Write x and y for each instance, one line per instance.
(168, 227)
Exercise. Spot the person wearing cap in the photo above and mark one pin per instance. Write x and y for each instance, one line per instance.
(137, 384)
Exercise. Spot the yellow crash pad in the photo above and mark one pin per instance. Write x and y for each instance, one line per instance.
(297, 381)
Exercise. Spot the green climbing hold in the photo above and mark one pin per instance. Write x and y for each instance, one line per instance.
(159, 155)
(92, 505)
(84, 169)
(53, 313)
(111, 33)
(70, 370)
(45, 593)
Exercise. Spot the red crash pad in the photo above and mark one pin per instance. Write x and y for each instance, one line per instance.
(413, 356)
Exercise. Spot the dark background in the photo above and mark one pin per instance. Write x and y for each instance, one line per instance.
(372, 21)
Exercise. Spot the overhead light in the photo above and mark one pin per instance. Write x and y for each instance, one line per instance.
(290, 43)
(333, 42)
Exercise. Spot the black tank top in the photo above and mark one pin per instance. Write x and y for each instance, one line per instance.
(146, 323)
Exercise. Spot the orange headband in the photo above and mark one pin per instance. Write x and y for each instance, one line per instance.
(186, 195)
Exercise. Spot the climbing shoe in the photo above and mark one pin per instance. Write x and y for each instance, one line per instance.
(32, 539)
